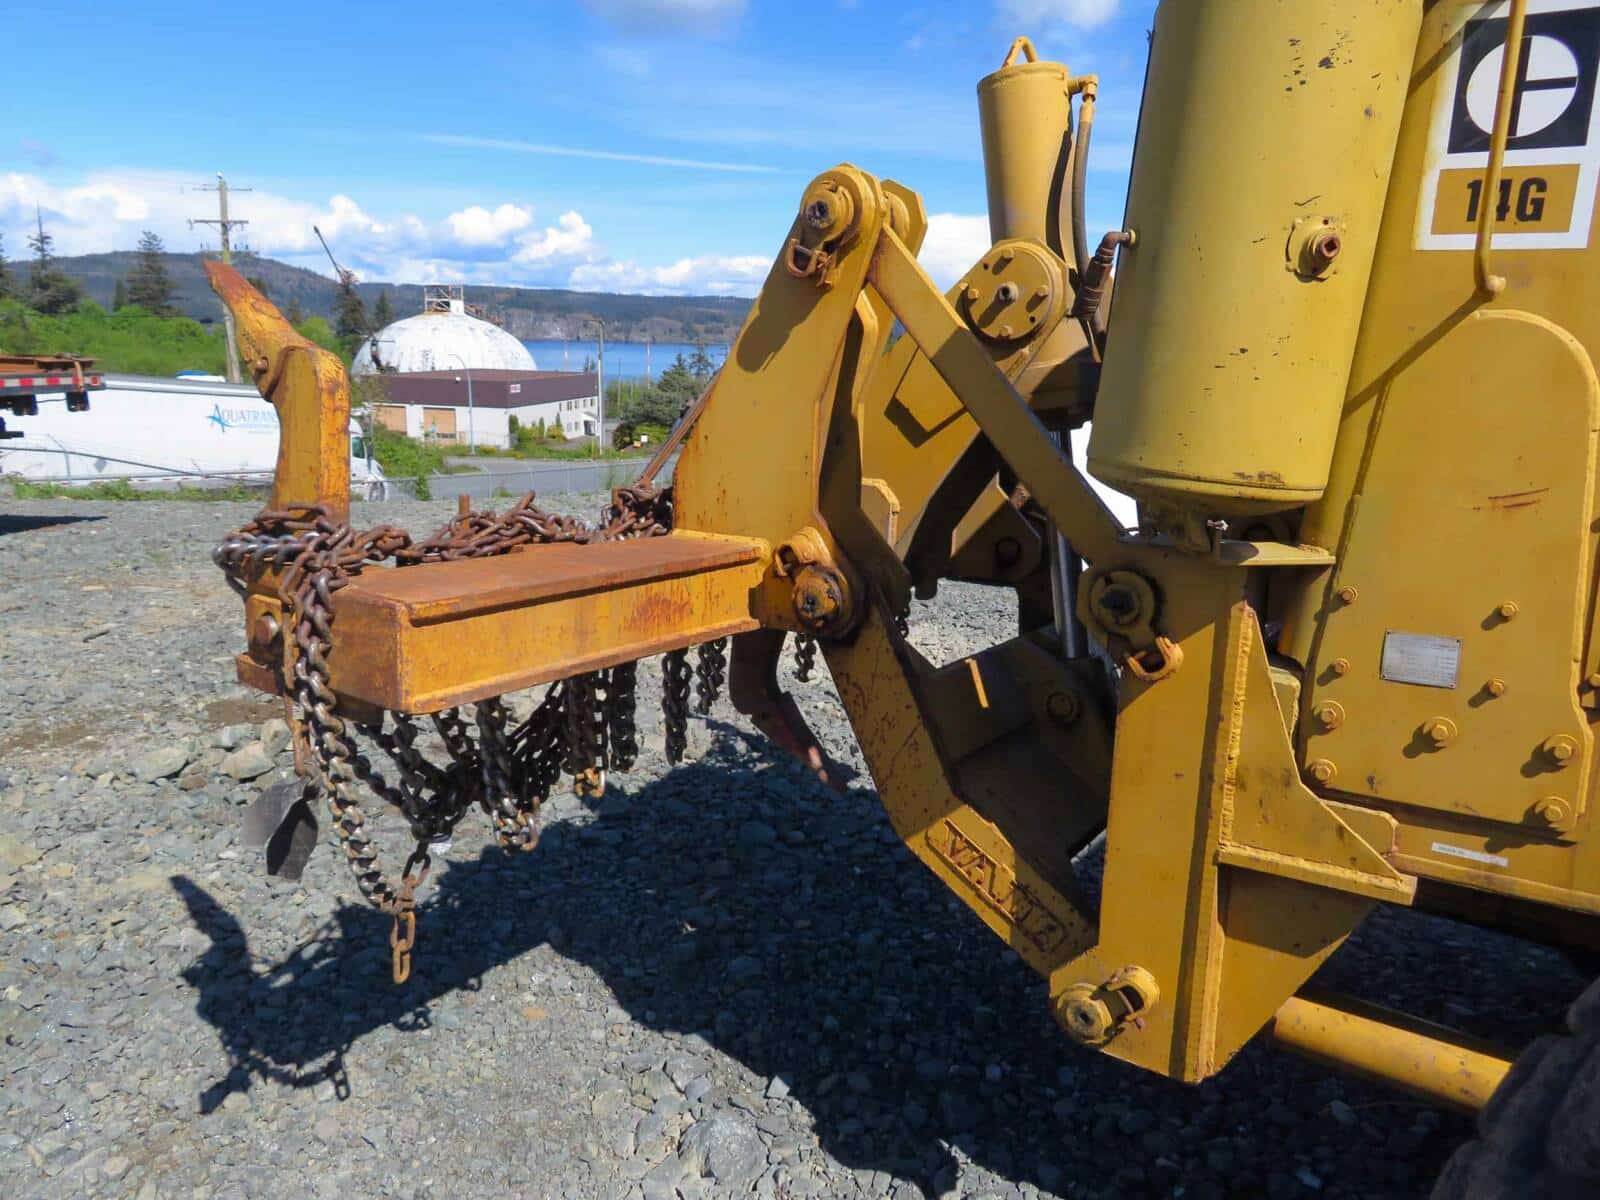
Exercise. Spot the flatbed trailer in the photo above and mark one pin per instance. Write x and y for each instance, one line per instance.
(24, 378)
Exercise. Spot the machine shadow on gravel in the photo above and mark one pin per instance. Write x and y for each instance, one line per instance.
(29, 522)
(822, 955)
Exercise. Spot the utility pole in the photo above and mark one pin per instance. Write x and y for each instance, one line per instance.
(600, 400)
(225, 226)
(647, 340)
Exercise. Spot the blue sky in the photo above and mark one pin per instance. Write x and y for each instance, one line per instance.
(629, 145)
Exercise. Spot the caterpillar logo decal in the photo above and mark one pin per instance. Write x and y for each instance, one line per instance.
(1547, 188)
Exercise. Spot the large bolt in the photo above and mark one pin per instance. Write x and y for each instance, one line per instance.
(1322, 249)
(819, 214)
(1507, 609)
(1119, 603)
(1495, 687)
(1560, 747)
(1086, 1016)
(1348, 594)
(1340, 666)
(264, 633)
(1007, 292)
(1552, 810)
(1322, 770)
(1329, 714)
(1063, 707)
(818, 597)
(1441, 731)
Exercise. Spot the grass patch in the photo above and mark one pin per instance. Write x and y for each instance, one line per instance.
(122, 489)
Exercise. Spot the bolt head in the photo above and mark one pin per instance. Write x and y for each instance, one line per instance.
(1561, 747)
(1439, 730)
(1340, 666)
(1507, 610)
(1552, 810)
(1495, 687)
(1322, 770)
(1086, 1016)
(1063, 707)
(1348, 594)
(1329, 714)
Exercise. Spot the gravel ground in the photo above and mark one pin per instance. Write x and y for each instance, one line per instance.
(723, 980)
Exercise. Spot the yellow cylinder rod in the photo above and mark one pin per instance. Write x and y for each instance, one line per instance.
(1511, 60)
(1415, 1056)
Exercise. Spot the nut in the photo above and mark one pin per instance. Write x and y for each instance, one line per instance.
(1347, 594)
(1552, 810)
(1561, 747)
(1322, 770)
(1495, 686)
(1064, 707)
(1329, 714)
(1340, 666)
(1507, 609)
(819, 597)
(264, 633)
(1441, 731)
(1322, 249)
(1119, 604)
(1086, 1016)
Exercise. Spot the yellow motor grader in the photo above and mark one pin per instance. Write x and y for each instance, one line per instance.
(1341, 355)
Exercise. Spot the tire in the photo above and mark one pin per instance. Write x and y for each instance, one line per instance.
(1539, 1135)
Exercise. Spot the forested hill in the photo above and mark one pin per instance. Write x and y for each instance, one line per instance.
(524, 312)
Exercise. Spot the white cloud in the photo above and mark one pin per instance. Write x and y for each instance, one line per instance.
(477, 226)
(670, 14)
(650, 160)
(1029, 15)
(709, 275)
(569, 238)
(495, 242)
(953, 243)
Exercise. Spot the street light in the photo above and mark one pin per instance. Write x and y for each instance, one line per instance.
(472, 427)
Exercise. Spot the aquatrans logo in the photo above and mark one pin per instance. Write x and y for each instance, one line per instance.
(251, 420)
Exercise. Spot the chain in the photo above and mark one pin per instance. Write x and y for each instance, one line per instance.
(675, 702)
(508, 773)
(711, 668)
(622, 734)
(805, 656)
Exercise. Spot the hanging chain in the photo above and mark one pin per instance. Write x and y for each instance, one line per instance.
(805, 656)
(582, 725)
(675, 702)
(711, 668)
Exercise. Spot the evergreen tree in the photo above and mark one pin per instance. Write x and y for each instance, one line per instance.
(700, 365)
(292, 312)
(5, 272)
(383, 311)
(50, 290)
(119, 295)
(149, 285)
(350, 314)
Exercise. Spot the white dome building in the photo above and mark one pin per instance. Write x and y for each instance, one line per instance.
(443, 337)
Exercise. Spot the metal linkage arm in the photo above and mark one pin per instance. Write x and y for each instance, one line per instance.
(1008, 422)
(308, 387)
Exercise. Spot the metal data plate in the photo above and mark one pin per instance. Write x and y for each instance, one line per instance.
(1421, 658)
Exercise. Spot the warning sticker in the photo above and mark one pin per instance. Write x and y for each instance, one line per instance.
(1546, 196)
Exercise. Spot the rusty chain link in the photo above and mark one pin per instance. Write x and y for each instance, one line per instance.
(711, 669)
(582, 725)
